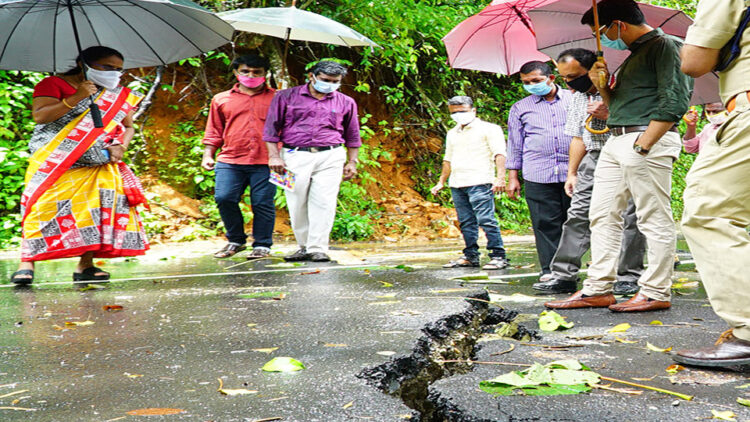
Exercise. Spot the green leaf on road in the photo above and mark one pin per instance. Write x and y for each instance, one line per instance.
(744, 402)
(724, 415)
(283, 364)
(555, 378)
(551, 321)
(263, 295)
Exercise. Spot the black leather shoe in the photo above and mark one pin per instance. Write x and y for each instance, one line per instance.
(626, 288)
(300, 255)
(319, 257)
(556, 286)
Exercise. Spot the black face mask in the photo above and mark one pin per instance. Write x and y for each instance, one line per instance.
(581, 84)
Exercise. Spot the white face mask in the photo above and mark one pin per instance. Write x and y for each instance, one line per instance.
(463, 118)
(108, 79)
(718, 119)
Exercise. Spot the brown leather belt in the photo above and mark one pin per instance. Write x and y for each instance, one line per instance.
(622, 130)
(731, 104)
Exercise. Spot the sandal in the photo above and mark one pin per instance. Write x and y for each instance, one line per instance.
(461, 262)
(496, 264)
(229, 250)
(22, 281)
(89, 274)
(259, 252)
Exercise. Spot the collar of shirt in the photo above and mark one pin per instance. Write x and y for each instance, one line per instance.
(539, 98)
(236, 90)
(471, 124)
(306, 91)
(643, 39)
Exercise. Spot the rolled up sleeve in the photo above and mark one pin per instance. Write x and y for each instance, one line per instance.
(274, 119)
(674, 87)
(214, 134)
(715, 23)
(515, 140)
(352, 138)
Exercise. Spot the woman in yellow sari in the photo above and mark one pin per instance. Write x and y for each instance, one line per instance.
(80, 198)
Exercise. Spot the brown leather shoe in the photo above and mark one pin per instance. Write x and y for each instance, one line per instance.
(640, 303)
(578, 300)
(728, 351)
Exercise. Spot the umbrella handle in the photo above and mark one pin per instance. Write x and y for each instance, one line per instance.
(602, 75)
(592, 130)
(96, 114)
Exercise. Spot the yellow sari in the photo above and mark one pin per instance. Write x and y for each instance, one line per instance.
(70, 211)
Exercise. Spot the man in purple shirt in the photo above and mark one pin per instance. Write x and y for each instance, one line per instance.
(538, 147)
(313, 121)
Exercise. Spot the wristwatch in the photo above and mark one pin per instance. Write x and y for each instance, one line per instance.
(640, 150)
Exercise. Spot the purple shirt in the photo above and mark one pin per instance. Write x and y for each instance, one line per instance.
(297, 119)
(537, 143)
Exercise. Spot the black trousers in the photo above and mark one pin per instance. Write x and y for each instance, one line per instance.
(548, 206)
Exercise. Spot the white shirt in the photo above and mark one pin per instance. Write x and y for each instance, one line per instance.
(471, 151)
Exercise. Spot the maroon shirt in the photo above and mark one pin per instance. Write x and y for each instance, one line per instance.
(235, 124)
(297, 119)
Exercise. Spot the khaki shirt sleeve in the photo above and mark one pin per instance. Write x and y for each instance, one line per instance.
(716, 21)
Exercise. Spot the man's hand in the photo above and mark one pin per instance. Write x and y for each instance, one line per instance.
(570, 184)
(437, 188)
(208, 163)
(276, 164)
(513, 189)
(116, 152)
(350, 170)
(595, 74)
(598, 109)
(498, 185)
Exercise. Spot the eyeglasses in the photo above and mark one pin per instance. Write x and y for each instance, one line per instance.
(599, 31)
(105, 67)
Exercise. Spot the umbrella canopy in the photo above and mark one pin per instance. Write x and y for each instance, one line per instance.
(295, 24)
(38, 35)
(558, 28)
(499, 39)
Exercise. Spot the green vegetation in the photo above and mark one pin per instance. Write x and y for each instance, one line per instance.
(402, 89)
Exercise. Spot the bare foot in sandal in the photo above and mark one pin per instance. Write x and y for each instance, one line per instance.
(230, 249)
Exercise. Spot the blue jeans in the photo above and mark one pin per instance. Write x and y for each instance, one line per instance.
(231, 182)
(475, 206)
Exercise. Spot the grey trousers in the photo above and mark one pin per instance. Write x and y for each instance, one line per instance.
(576, 234)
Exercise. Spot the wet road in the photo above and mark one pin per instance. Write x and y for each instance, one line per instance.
(188, 320)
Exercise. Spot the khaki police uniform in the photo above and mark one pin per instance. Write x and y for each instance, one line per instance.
(717, 197)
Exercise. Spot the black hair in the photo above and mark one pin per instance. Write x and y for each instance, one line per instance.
(93, 54)
(585, 57)
(329, 68)
(251, 60)
(615, 10)
(536, 65)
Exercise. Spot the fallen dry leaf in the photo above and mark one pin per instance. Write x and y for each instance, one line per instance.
(310, 272)
(112, 308)
(24, 409)
(619, 328)
(132, 375)
(673, 369)
(252, 325)
(335, 345)
(155, 411)
(724, 415)
(233, 392)
(385, 283)
(266, 350)
(348, 405)
(78, 323)
(626, 341)
(653, 348)
(644, 379)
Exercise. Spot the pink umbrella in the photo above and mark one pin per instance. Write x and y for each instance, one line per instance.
(499, 39)
(558, 28)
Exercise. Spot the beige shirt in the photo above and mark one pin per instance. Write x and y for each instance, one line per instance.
(471, 151)
(716, 21)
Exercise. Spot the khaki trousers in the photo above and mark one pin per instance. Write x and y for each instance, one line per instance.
(717, 213)
(312, 203)
(621, 174)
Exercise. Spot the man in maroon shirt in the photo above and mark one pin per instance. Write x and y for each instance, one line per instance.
(235, 126)
(314, 121)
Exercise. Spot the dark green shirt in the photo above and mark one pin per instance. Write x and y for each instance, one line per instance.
(649, 85)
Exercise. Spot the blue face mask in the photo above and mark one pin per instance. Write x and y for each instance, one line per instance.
(541, 89)
(617, 44)
(324, 87)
